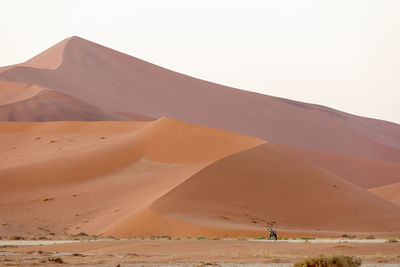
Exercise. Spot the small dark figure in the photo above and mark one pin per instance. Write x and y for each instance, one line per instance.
(273, 234)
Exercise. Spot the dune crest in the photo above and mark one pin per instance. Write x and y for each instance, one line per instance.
(49, 59)
(11, 92)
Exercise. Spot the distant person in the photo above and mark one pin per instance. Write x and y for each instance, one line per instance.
(273, 234)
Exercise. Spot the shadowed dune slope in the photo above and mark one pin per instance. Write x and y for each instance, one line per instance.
(84, 176)
(117, 82)
(390, 192)
(265, 185)
(52, 106)
(364, 172)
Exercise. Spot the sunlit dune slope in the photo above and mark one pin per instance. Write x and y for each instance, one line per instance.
(11, 92)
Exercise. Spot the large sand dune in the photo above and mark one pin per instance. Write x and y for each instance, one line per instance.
(83, 176)
(167, 177)
(116, 82)
(264, 185)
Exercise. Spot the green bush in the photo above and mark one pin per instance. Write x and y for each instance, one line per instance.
(370, 237)
(329, 261)
(201, 237)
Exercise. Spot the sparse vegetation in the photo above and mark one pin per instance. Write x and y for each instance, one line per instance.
(260, 237)
(55, 259)
(82, 234)
(370, 237)
(201, 238)
(329, 261)
(392, 240)
(48, 198)
(17, 237)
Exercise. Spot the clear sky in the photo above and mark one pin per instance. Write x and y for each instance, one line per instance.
(340, 53)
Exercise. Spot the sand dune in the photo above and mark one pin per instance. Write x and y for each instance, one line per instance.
(364, 172)
(116, 82)
(52, 106)
(166, 177)
(83, 176)
(264, 185)
(389, 192)
(160, 176)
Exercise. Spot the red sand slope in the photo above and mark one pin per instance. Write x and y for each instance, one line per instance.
(389, 192)
(82, 176)
(114, 81)
(364, 172)
(265, 185)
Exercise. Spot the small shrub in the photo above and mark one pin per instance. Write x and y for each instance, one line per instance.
(260, 237)
(55, 259)
(201, 238)
(48, 199)
(17, 237)
(370, 237)
(329, 261)
(392, 240)
(82, 234)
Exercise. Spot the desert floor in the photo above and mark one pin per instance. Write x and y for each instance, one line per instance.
(190, 252)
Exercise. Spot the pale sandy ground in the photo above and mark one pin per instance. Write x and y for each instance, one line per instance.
(195, 253)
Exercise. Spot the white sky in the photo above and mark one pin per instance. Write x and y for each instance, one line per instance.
(340, 53)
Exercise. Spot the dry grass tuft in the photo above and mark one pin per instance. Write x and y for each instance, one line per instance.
(329, 261)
